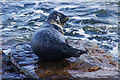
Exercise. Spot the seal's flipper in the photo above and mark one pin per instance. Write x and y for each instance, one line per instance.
(72, 51)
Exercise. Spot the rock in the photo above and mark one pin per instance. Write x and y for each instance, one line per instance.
(97, 63)
(13, 76)
(0, 65)
(8, 71)
(24, 59)
(103, 60)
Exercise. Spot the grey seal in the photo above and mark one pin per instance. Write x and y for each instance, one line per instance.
(48, 42)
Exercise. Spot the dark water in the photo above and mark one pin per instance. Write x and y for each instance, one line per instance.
(93, 21)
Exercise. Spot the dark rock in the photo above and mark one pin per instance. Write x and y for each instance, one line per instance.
(24, 59)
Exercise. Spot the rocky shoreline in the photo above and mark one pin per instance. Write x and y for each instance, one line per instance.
(21, 63)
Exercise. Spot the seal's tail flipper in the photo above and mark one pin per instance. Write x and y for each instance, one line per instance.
(72, 51)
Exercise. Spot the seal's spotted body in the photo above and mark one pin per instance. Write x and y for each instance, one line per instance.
(48, 41)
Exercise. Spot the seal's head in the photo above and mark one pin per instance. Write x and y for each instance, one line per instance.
(57, 18)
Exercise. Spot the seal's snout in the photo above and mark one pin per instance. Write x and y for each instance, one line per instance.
(67, 18)
(64, 19)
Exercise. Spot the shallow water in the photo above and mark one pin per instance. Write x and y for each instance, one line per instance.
(93, 21)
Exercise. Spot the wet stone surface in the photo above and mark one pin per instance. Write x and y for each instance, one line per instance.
(97, 63)
(24, 59)
(24, 64)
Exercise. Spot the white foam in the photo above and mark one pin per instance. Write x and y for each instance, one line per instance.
(65, 6)
(38, 23)
(40, 12)
(115, 51)
(80, 18)
(95, 41)
(82, 32)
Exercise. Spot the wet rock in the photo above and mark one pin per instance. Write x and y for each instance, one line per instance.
(7, 70)
(103, 60)
(13, 76)
(95, 55)
(5, 63)
(24, 59)
(97, 63)
(61, 70)
(0, 65)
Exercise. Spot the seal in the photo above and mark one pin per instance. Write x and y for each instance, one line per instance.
(48, 42)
